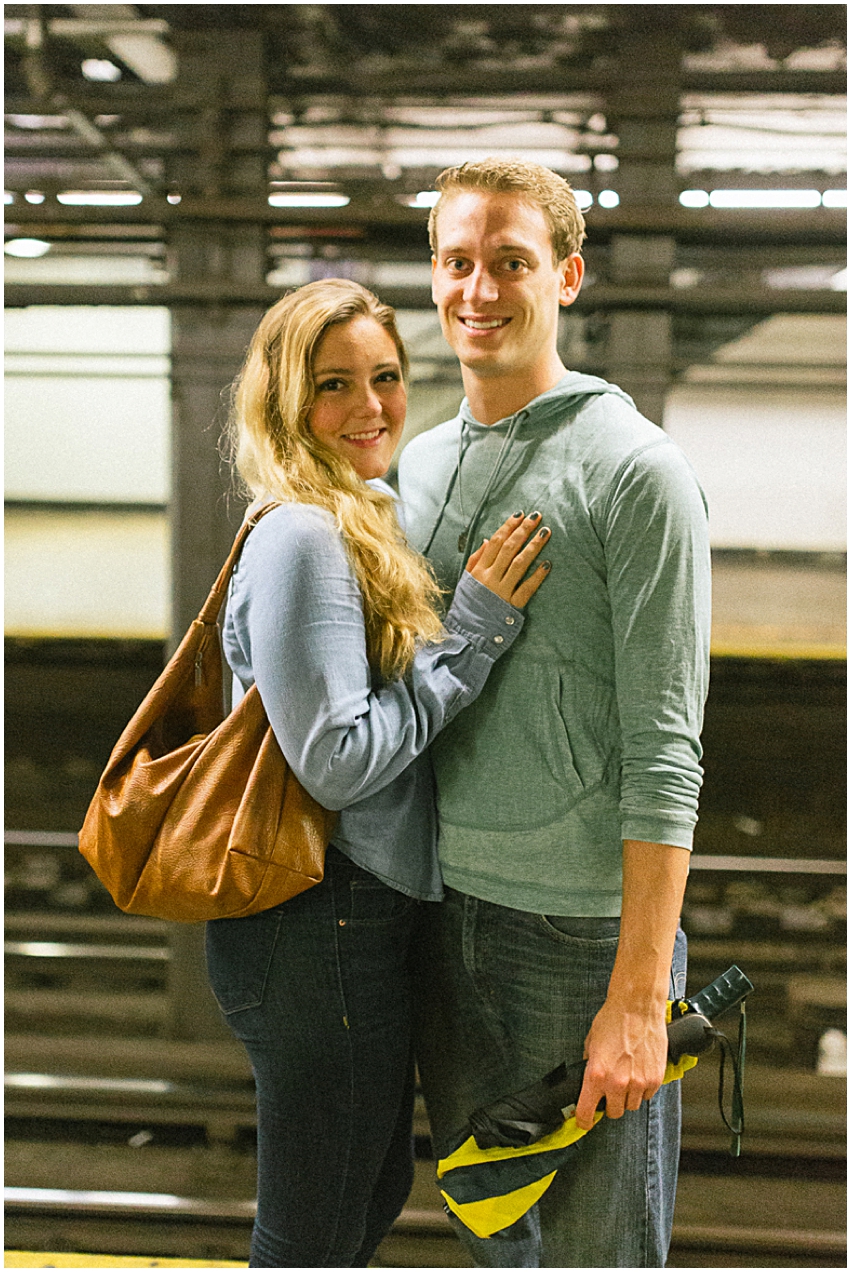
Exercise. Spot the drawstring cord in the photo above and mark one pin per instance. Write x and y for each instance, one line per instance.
(464, 537)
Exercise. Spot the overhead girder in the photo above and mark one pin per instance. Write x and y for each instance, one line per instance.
(376, 214)
(434, 87)
(758, 302)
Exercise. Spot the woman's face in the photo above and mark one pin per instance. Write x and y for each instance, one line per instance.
(359, 407)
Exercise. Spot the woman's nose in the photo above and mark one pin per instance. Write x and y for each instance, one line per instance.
(371, 403)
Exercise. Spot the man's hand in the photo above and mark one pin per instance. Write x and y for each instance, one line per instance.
(627, 1044)
(627, 1052)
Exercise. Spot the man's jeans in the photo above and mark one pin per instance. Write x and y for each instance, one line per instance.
(504, 996)
(318, 990)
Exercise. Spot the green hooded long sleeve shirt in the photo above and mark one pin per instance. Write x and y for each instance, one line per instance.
(587, 733)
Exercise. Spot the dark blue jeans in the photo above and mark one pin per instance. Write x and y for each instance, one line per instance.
(503, 997)
(318, 990)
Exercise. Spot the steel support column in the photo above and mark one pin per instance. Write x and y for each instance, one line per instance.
(225, 70)
(640, 346)
(643, 108)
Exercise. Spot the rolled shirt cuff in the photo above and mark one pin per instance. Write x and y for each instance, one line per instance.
(487, 621)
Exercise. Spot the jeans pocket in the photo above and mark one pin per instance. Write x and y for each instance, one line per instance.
(372, 901)
(239, 956)
(581, 928)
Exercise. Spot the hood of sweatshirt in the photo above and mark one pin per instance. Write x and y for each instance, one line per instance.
(571, 389)
(497, 443)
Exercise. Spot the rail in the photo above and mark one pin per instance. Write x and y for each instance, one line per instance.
(809, 1247)
(699, 861)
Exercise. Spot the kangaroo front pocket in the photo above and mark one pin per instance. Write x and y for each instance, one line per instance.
(506, 762)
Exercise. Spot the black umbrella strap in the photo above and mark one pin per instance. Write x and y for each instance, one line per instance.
(736, 1122)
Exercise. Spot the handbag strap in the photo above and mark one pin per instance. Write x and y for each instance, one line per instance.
(213, 604)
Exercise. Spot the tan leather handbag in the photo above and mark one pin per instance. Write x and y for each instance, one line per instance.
(197, 815)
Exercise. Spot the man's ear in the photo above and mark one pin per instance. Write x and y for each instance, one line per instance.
(433, 268)
(572, 269)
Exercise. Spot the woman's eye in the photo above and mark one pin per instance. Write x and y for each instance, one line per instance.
(388, 377)
(329, 386)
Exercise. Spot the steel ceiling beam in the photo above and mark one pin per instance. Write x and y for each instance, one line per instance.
(74, 28)
(362, 216)
(470, 81)
(118, 163)
(601, 297)
(429, 87)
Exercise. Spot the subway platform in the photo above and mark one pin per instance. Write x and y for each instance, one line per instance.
(29, 1259)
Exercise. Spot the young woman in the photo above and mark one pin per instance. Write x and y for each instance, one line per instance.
(337, 622)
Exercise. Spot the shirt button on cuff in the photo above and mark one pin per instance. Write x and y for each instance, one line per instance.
(499, 640)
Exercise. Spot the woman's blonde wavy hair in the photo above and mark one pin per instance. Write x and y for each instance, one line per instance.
(278, 456)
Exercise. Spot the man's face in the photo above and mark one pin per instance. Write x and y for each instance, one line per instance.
(495, 284)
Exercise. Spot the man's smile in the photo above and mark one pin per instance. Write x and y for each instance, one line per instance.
(483, 324)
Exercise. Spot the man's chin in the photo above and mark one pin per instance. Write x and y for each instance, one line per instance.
(480, 363)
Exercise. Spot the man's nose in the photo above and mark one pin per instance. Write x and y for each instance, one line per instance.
(480, 286)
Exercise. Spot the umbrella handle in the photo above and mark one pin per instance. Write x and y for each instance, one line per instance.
(526, 1116)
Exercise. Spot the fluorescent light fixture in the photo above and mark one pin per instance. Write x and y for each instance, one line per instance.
(8, 197)
(835, 199)
(839, 282)
(694, 198)
(173, 198)
(26, 247)
(608, 198)
(308, 200)
(100, 70)
(765, 199)
(424, 199)
(99, 198)
(87, 1197)
(584, 199)
(49, 1082)
(38, 121)
(34, 196)
(685, 277)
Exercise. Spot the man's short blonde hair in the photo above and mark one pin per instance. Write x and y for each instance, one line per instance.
(531, 181)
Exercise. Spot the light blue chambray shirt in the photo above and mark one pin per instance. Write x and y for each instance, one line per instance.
(294, 625)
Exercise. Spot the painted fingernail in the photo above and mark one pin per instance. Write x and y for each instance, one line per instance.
(534, 516)
(546, 565)
(542, 534)
(516, 515)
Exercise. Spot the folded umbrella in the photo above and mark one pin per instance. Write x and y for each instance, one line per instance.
(512, 1148)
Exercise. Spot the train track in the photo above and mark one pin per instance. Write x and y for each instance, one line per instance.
(88, 1065)
(779, 1205)
(174, 1227)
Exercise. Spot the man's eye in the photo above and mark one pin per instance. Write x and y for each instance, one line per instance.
(455, 263)
(514, 267)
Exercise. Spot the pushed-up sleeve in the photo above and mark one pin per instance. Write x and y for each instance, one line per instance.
(658, 570)
(295, 627)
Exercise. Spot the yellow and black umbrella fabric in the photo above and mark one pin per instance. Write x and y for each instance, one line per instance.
(512, 1148)
(491, 1188)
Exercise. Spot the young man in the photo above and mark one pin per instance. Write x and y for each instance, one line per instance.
(568, 793)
